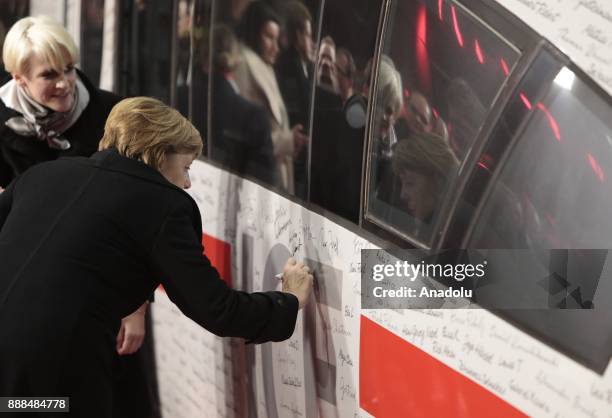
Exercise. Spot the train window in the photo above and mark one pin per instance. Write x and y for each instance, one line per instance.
(92, 24)
(556, 181)
(197, 100)
(431, 100)
(553, 191)
(145, 48)
(182, 72)
(347, 44)
(261, 64)
(10, 12)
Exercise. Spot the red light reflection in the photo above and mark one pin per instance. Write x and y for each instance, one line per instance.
(526, 101)
(479, 53)
(554, 126)
(596, 168)
(456, 25)
(422, 55)
(440, 10)
(504, 66)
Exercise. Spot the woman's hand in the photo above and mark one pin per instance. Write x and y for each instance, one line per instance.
(132, 332)
(297, 280)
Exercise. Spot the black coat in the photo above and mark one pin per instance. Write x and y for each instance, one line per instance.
(84, 242)
(295, 85)
(241, 137)
(18, 153)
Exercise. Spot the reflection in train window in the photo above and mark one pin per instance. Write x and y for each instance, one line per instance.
(197, 100)
(431, 101)
(145, 48)
(10, 12)
(182, 72)
(556, 182)
(342, 76)
(92, 24)
(260, 99)
(554, 191)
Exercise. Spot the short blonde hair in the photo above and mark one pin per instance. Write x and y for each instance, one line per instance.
(389, 86)
(146, 129)
(427, 154)
(40, 36)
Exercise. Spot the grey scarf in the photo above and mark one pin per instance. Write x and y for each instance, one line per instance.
(39, 121)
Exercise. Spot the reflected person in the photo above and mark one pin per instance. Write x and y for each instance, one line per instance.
(240, 129)
(424, 163)
(259, 31)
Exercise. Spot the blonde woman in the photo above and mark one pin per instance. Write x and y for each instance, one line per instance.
(49, 109)
(106, 231)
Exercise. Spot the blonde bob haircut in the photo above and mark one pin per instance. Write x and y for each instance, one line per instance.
(145, 129)
(41, 36)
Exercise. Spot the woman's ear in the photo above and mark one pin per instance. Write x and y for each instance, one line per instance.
(18, 79)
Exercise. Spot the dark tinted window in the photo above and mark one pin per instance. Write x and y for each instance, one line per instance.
(196, 101)
(440, 72)
(92, 25)
(146, 37)
(555, 187)
(10, 12)
(553, 191)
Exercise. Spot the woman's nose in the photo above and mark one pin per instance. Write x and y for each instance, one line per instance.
(61, 82)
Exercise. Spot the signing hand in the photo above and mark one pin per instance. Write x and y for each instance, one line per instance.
(297, 280)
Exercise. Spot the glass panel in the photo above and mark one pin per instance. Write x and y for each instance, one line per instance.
(260, 99)
(92, 25)
(556, 184)
(432, 99)
(10, 12)
(146, 37)
(200, 36)
(182, 73)
(554, 191)
(344, 54)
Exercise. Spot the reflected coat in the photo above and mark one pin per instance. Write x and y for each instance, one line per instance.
(84, 242)
(240, 133)
(257, 83)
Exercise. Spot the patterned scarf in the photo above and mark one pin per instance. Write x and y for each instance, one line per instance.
(38, 121)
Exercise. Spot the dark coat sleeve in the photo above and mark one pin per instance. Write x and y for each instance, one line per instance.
(194, 285)
(6, 201)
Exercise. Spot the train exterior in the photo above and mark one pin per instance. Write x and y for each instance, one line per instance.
(519, 93)
(539, 72)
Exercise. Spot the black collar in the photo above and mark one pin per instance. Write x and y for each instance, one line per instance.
(110, 159)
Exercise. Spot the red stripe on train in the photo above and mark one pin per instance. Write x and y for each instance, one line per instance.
(396, 379)
(220, 255)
